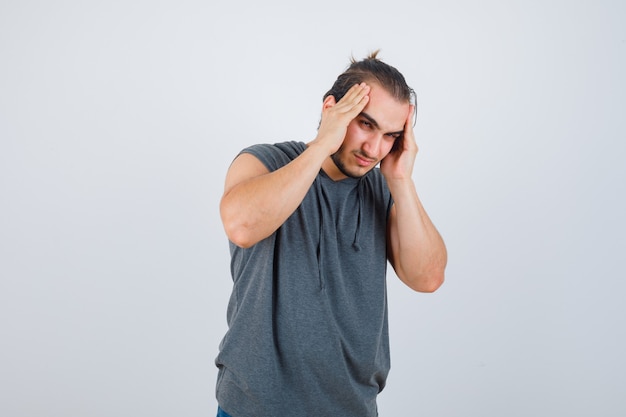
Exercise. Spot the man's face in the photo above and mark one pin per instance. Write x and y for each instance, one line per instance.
(371, 135)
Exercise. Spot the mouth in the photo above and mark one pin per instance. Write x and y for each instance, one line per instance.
(363, 161)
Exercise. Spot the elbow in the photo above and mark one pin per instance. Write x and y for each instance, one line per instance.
(432, 278)
(238, 234)
(427, 282)
(432, 283)
(237, 231)
(239, 239)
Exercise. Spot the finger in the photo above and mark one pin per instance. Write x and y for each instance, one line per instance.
(353, 108)
(409, 118)
(355, 95)
(409, 134)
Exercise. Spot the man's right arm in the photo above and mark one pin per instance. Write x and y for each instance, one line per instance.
(257, 202)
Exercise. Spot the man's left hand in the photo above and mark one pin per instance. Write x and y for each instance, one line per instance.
(398, 164)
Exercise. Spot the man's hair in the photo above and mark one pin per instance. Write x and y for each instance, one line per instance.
(368, 70)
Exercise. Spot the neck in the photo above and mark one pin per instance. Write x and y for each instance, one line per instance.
(332, 171)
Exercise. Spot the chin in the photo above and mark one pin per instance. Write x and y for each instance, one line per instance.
(356, 172)
(343, 167)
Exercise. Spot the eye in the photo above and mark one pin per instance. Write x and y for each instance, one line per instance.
(365, 123)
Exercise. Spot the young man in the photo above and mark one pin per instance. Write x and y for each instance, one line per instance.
(311, 228)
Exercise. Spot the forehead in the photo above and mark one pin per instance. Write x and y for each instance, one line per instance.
(389, 113)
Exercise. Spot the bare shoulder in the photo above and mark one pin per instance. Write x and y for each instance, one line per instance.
(243, 168)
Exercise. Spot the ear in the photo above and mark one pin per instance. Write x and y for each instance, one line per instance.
(329, 102)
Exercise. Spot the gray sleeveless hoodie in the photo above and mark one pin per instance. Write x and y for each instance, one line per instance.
(307, 317)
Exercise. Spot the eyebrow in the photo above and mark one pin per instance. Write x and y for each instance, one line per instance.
(375, 123)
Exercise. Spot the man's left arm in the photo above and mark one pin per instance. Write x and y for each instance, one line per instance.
(415, 248)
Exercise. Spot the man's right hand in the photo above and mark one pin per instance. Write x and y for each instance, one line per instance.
(336, 116)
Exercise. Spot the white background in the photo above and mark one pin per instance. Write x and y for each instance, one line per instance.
(119, 119)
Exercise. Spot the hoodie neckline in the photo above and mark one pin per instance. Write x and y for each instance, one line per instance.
(346, 180)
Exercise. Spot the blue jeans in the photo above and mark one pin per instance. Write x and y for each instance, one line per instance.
(222, 413)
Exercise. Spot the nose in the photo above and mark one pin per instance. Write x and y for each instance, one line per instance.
(371, 147)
